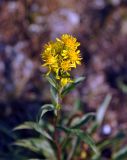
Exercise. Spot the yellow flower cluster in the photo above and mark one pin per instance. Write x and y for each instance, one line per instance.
(61, 56)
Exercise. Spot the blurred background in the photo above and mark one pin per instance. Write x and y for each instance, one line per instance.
(26, 25)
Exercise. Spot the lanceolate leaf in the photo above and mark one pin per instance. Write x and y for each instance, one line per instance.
(79, 79)
(44, 109)
(54, 95)
(72, 85)
(84, 120)
(87, 139)
(82, 135)
(121, 154)
(121, 84)
(96, 157)
(34, 126)
(75, 144)
(37, 145)
(103, 108)
(112, 141)
(52, 82)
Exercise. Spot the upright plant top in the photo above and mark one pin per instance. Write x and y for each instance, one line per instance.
(60, 56)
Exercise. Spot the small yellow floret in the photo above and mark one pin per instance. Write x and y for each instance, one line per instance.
(65, 81)
(65, 65)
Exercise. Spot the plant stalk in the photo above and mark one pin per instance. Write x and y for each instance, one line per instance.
(56, 121)
(56, 137)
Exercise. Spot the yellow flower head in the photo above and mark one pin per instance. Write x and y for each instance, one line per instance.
(65, 81)
(65, 66)
(70, 42)
(61, 56)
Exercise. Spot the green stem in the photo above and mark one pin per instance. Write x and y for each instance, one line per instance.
(59, 98)
(65, 142)
(74, 146)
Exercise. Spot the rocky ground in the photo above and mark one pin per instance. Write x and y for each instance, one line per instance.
(101, 28)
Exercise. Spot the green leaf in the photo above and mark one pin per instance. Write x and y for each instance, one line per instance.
(77, 104)
(82, 135)
(55, 97)
(103, 108)
(78, 80)
(83, 120)
(87, 139)
(34, 126)
(96, 157)
(112, 141)
(53, 92)
(37, 145)
(52, 81)
(71, 86)
(121, 84)
(75, 144)
(121, 154)
(44, 109)
(92, 129)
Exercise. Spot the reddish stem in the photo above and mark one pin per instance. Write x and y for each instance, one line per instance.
(56, 138)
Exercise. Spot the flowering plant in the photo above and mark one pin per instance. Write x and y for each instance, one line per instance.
(62, 138)
(60, 57)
